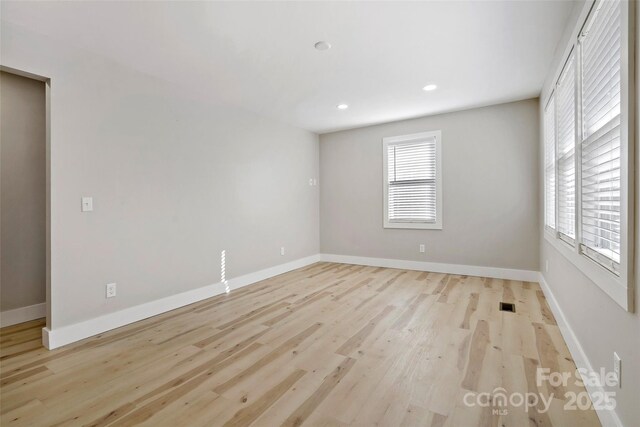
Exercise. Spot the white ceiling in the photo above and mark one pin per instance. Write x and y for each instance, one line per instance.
(260, 55)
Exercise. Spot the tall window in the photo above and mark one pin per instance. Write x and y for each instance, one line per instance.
(550, 164)
(412, 181)
(588, 162)
(600, 163)
(566, 122)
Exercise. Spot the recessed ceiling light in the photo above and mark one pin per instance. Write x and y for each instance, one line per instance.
(430, 87)
(342, 106)
(322, 45)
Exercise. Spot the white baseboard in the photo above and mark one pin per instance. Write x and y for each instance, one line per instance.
(467, 270)
(23, 314)
(607, 418)
(57, 337)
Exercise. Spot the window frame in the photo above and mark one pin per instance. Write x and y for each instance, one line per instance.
(551, 103)
(618, 287)
(571, 241)
(415, 137)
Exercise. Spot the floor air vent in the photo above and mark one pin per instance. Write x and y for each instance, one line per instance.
(507, 306)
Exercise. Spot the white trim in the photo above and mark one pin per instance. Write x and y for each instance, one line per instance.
(603, 278)
(45, 338)
(23, 314)
(436, 267)
(608, 418)
(437, 225)
(553, 164)
(54, 338)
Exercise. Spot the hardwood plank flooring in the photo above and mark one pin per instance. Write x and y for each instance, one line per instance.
(325, 345)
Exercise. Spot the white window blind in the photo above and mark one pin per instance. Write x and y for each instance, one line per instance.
(550, 164)
(600, 163)
(412, 181)
(566, 122)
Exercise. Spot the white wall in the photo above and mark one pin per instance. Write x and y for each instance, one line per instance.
(601, 326)
(175, 177)
(23, 201)
(490, 190)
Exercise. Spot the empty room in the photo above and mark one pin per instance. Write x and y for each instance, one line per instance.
(320, 213)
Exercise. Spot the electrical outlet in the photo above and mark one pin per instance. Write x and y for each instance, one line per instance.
(546, 265)
(111, 290)
(87, 204)
(422, 248)
(617, 366)
(282, 250)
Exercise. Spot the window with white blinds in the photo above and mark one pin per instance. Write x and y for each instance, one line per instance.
(600, 44)
(550, 164)
(566, 135)
(412, 181)
(589, 171)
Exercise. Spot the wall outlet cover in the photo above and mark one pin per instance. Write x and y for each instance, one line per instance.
(617, 368)
(111, 290)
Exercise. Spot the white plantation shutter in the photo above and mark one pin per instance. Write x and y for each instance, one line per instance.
(550, 164)
(600, 163)
(566, 123)
(412, 181)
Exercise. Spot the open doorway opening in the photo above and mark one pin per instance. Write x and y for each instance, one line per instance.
(24, 203)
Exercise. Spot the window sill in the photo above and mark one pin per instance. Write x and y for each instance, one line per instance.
(612, 285)
(414, 225)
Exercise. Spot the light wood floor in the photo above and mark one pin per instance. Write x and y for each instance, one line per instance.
(329, 344)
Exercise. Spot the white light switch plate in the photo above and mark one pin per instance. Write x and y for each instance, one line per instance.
(87, 204)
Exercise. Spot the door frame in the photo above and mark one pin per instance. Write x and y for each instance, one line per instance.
(47, 85)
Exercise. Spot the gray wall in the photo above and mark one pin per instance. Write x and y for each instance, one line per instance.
(176, 178)
(490, 177)
(599, 323)
(23, 192)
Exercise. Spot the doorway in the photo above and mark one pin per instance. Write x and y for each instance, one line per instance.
(24, 200)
